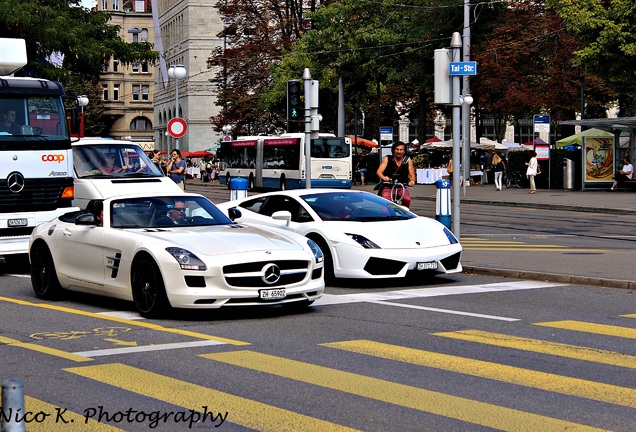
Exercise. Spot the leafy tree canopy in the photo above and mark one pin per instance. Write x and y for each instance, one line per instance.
(607, 30)
(61, 29)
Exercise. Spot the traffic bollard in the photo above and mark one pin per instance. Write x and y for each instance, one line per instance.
(443, 202)
(238, 188)
(13, 406)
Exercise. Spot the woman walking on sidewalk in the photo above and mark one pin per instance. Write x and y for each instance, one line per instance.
(498, 167)
(532, 171)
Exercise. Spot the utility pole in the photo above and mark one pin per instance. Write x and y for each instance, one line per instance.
(456, 44)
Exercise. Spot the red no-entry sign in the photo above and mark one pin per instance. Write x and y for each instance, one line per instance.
(177, 127)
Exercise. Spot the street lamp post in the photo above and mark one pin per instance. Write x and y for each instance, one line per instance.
(226, 130)
(177, 72)
(82, 101)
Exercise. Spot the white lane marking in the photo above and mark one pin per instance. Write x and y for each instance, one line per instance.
(146, 348)
(18, 275)
(122, 314)
(448, 311)
(329, 299)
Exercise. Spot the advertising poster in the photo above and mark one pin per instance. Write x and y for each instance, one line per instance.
(599, 158)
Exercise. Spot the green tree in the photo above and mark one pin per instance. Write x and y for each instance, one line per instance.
(68, 43)
(607, 30)
(527, 69)
(256, 34)
(382, 51)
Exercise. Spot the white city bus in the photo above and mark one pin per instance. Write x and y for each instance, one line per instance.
(278, 162)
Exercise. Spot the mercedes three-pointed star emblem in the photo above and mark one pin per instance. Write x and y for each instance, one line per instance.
(271, 274)
(15, 182)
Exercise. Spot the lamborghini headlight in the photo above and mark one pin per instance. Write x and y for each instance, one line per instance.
(316, 250)
(451, 237)
(186, 259)
(363, 241)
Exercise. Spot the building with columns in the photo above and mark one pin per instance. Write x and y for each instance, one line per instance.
(187, 35)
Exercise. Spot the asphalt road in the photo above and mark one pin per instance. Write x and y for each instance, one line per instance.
(457, 352)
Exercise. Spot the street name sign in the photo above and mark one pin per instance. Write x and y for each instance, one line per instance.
(462, 68)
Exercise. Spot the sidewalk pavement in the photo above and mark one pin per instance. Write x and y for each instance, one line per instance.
(617, 202)
(606, 268)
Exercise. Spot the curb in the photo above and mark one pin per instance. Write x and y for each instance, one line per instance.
(552, 277)
(614, 211)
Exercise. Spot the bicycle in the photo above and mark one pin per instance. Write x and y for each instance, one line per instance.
(512, 179)
(398, 190)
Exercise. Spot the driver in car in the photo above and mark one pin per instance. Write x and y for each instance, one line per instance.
(176, 214)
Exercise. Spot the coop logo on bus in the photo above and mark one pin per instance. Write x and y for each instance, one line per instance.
(59, 158)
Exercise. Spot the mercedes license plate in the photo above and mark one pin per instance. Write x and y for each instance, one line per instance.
(273, 294)
(427, 265)
(17, 222)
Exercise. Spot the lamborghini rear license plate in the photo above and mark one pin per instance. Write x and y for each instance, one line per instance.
(273, 294)
(427, 265)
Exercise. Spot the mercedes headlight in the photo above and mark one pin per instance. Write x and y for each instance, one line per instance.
(186, 259)
(363, 241)
(316, 250)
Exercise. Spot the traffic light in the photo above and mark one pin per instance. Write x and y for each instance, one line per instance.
(294, 105)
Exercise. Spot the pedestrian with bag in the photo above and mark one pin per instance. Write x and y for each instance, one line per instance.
(176, 168)
(532, 171)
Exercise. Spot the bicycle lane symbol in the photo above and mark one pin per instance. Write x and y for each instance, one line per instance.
(107, 333)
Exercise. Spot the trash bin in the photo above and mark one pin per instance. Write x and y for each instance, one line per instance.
(443, 203)
(569, 175)
(238, 188)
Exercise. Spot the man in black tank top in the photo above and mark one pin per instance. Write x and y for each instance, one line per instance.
(397, 167)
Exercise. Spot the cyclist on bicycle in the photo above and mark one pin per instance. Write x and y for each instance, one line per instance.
(397, 168)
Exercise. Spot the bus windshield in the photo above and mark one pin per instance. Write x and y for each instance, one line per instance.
(330, 148)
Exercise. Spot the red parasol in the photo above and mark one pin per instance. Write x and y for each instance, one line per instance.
(362, 142)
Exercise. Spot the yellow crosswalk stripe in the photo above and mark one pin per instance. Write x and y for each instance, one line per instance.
(586, 327)
(544, 347)
(44, 349)
(628, 316)
(454, 407)
(241, 411)
(511, 374)
(60, 419)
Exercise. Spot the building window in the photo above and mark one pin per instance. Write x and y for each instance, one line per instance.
(105, 92)
(135, 37)
(115, 4)
(136, 90)
(144, 35)
(135, 68)
(104, 4)
(115, 65)
(116, 92)
(140, 92)
(144, 67)
(141, 123)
